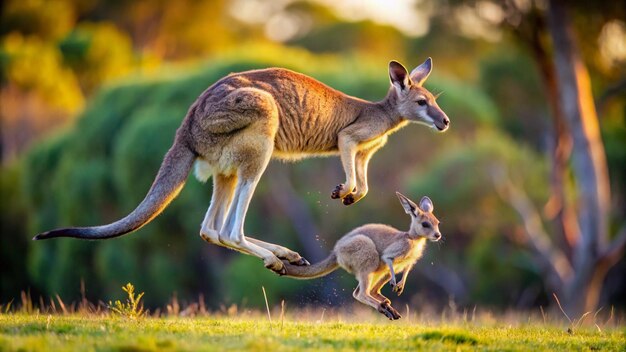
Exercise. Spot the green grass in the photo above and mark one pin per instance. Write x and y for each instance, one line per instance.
(22, 332)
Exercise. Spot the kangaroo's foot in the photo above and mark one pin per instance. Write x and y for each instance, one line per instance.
(292, 257)
(275, 265)
(387, 310)
(281, 252)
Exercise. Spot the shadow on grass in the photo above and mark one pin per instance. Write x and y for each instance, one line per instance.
(457, 338)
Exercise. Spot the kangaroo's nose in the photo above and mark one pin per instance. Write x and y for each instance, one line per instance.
(446, 121)
(437, 236)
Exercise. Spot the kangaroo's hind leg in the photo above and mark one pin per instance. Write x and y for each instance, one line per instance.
(232, 234)
(221, 199)
(223, 190)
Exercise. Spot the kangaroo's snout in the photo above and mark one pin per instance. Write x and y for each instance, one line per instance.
(437, 237)
(442, 124)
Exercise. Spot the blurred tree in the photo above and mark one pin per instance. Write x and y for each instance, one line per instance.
(577, 271)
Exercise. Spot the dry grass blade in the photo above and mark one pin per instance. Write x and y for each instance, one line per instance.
(560, 307)
(267, 306)
(61, 304)
(282, 314)
(579, 321)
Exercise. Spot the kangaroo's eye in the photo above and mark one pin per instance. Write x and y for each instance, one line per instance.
(421, 102)
(426, 225)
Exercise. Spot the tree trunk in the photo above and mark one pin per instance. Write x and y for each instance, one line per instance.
(588, 158)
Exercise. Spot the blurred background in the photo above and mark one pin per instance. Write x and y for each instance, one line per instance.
(529, 182)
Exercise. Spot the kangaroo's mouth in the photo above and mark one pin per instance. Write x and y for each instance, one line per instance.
(441, 126)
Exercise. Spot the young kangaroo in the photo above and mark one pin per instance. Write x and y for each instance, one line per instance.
(243, 120)
(375, 253)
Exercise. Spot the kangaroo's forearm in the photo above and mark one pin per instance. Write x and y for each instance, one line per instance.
(389, 262)
(405, 274)
(348, 150)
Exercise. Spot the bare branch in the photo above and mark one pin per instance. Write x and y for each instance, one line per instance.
(555, 260)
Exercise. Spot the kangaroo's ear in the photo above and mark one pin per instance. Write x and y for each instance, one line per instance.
(399, 76)
(426, 205)
(407, 204)
(421, 72)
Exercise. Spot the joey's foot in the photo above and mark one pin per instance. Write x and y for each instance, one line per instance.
(390, 312)
(394, 312)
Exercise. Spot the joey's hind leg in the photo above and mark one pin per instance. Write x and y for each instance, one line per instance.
(380, 281)
(363, 295)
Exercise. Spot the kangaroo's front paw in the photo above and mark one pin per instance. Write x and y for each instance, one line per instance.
(336, 193)
(398, 288)
(349, 199)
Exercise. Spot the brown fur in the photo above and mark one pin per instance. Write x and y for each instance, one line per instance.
(239, 123)
(375, 253)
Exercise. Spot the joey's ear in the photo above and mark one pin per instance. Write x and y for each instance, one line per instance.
(399, 76)
(407, 204)
(421, 72)
(426, 205)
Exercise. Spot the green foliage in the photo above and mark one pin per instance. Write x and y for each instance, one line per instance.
(132, 308)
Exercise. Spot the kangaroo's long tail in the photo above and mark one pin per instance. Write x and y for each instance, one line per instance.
(168, 183)
(312, 271)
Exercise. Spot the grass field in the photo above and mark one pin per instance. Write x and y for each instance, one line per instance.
(31, 332)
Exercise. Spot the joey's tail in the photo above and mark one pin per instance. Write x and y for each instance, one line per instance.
(166, 186)
(320, 269)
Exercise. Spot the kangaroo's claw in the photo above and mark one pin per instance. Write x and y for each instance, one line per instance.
(336, 193)
(282, 271)
(390, 312)
(302, 262)
(398, 288)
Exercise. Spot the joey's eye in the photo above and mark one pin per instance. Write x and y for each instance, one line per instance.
(421, 102)
(425, 225)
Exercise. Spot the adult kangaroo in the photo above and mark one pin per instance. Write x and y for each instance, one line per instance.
(239, 123)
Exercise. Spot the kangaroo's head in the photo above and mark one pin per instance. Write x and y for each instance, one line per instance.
(414, 102)
(423, 221)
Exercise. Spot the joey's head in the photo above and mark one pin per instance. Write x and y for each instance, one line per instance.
(423, 221)
(414, 102)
